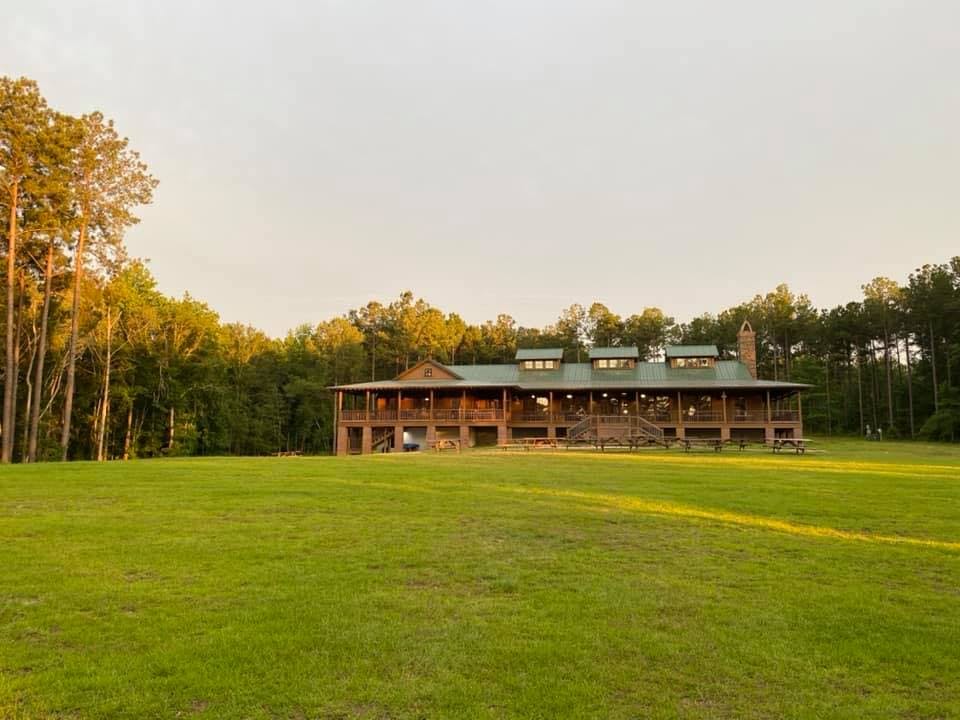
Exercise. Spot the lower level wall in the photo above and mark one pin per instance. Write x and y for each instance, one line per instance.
(361, 439)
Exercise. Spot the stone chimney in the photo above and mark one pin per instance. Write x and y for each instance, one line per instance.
(747, 348)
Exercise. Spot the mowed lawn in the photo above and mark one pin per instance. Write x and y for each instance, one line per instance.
(485, 585)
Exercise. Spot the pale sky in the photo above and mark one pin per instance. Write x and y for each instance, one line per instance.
(517, 155)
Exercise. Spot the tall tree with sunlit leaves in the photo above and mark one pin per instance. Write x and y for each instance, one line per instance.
(110, 181)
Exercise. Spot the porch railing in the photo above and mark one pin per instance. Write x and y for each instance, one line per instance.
(784, 415)
(703, 416)
(561, 418)
(422, 415)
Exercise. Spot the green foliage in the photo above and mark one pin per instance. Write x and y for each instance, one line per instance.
(944, 424)
(180, 382)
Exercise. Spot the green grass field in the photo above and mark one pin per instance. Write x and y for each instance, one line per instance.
(485, 585)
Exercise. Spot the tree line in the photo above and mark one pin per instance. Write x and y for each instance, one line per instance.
(99, 364)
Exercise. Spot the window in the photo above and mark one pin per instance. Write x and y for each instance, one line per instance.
(428, 372)
(692, 362)
(614, 364)
(528, 364)
(538, 364)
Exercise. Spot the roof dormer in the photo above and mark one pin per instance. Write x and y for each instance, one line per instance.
(539, 358)
(692, 356)
(614, 358)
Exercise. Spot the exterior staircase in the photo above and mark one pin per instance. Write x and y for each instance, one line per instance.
(631, 430)
(382, 439)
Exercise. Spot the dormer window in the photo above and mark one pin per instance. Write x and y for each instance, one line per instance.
(540, 364)
(614, 358)
(539, 358)
(693, 362)
(689, 357)
(614, 363)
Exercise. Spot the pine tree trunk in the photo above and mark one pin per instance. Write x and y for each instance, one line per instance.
(906, 346)
(74, 335)
(41, 356)
(105, 408)
(170, 432)
(933, 366)
(16, 367)
(860, 392)
(826, 376)
(127, 435)
(949, 376)
(886, 357)
(29, 400)
(874, 385)
(10, 377)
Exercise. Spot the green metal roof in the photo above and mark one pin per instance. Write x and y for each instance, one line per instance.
(603, 353)
(540, 354)
(686, 351)
(726, 374)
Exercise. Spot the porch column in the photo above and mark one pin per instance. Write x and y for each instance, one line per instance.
(768, 431)
(398, 438)
(681, 432)
(366, 441)
(550, 419)
(343, 440)
(337, 419)
(590, 404)
(723, 397)
(431, 436)
(431, 416)
(464, 436)
(463, 406)
(366, 406)
(725, 432)
(503, 434)
(800, 411)
(636, 400)
(399, 403)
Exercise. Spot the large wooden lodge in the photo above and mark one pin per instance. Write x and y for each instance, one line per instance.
(690, 393)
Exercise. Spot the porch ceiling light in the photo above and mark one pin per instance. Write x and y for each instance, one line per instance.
(604, 394)
(569, 396)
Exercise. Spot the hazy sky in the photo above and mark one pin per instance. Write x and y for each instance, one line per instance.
(518, 156)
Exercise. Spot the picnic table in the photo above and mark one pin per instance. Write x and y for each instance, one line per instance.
(539, 442)
(443, 444)
(715, 443)
(531, 443)
(799, 445)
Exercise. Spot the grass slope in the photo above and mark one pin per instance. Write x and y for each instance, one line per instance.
(485, 585)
